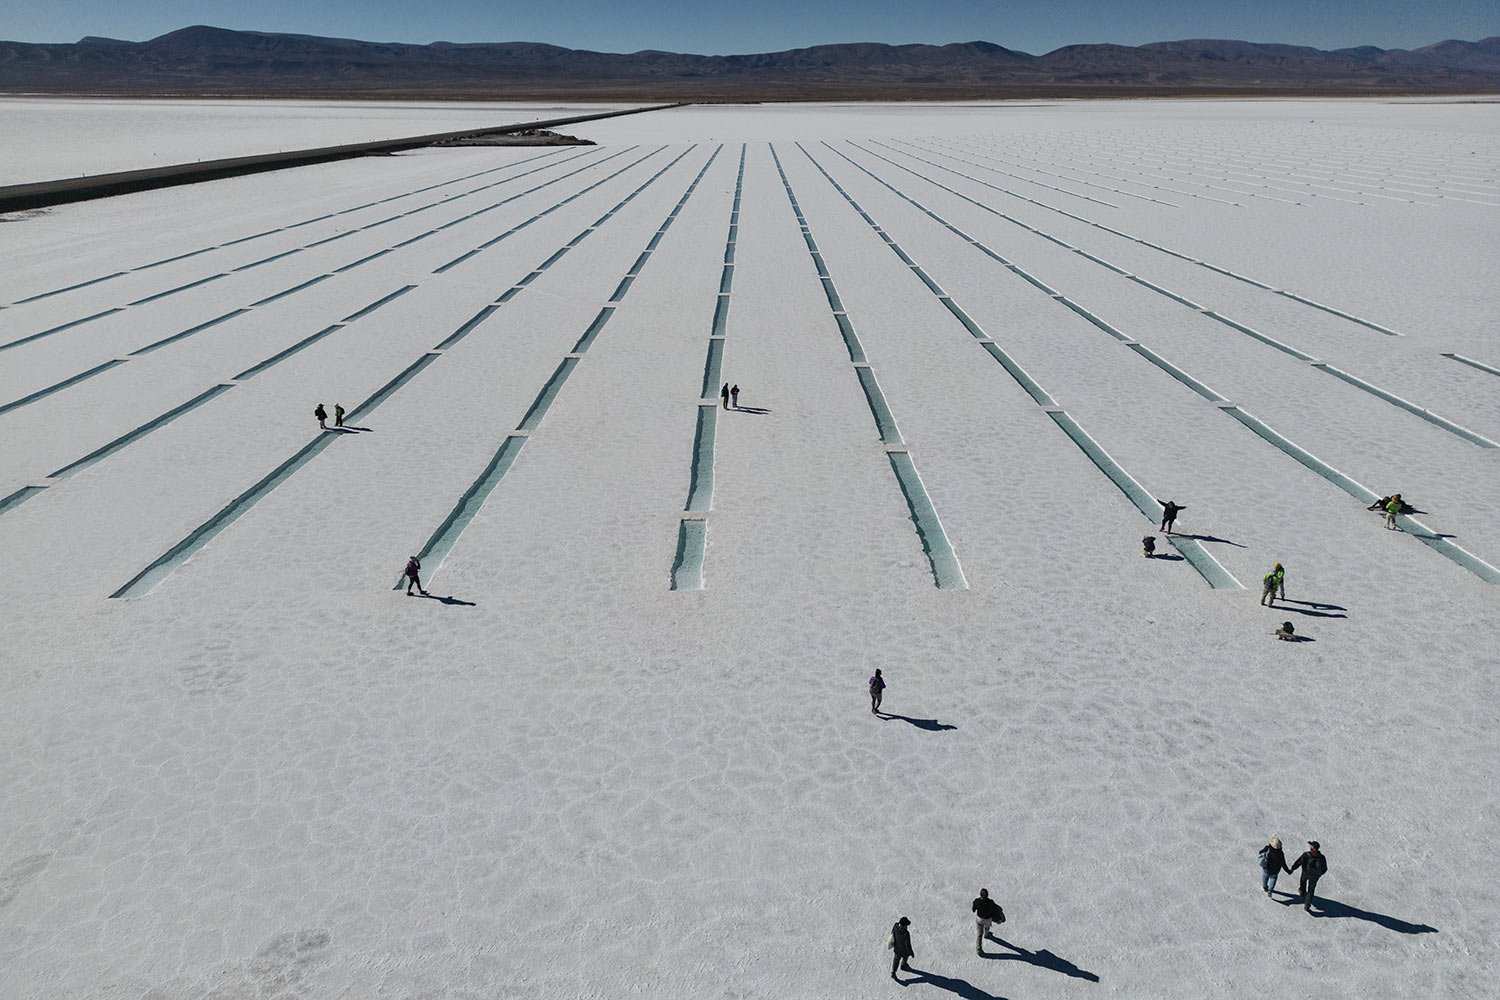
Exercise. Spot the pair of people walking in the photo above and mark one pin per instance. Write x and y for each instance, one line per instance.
(986, 912)
(1312, 863)
(730, 396)
(322, 415)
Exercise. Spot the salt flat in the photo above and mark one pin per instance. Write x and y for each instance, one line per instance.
(629, 752)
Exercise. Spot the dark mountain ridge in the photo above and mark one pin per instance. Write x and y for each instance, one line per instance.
(216, 61)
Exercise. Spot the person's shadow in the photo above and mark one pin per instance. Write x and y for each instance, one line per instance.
(1315, 604)
(1043, 959)
(450, 599)
(1209, 538)
(931, 725)
(958, 987)
(1309, 612)
(749, 409)
(1332, 908)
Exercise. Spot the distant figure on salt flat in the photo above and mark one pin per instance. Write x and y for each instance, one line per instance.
(414, 575)
(1396, 506)
(1271, 583)
(338, 415)
(986, 912)
(322, 416)
(734, 397)
(1169, 511)
(1287, 632)
(724, 395)
(1272, 864)
(1314, 866)
(900, 944)
(1148, 546)
(877, 689)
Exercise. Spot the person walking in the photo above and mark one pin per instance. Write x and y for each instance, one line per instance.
(877, 689)
(338, 415)
(1270, 584)
(1314, 866)
(322, 416)
(724, 395)
(1391, 510)
(986, 912)
(1272, 864)
(900, 945)
(414, 575)
(734, 398)
(1169, 511)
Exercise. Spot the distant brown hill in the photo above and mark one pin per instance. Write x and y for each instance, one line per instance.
(216, 61)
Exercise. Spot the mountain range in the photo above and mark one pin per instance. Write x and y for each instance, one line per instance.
(219, 62)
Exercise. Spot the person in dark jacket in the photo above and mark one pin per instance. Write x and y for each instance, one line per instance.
(734, 397)
(1169, 510)
(877, 690)
(724, 395)
(322, 416)
(901, 946)
(1148, 547)
(986, 911)
(1272, 864)
(414, 575)
(1314, 866)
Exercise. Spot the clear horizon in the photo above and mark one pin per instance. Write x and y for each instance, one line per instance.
(776, 25)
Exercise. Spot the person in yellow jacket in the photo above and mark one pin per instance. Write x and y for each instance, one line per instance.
(1271, 583)
(1396, 506)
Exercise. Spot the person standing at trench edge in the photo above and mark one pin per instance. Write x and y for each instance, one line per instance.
(1169, 511)
(414, 575)
(724, 395)
(322, 416)
(734, 397)
(338, 415)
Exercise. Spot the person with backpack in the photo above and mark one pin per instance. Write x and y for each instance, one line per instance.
(900, 944)
(1270, 584)
(322, 416)
(877, 689)
(414, 575)
(1314, 866)
(1169, 511)
(986, 912)
(338, 415)
(1272, 864)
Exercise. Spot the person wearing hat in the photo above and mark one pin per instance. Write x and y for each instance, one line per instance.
(900, 945)
(1314, 866)
(1271, 583)
(1272, 864)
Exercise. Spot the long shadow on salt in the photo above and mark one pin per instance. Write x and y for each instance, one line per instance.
(1325, 907)
(1043, 959)
(931, 725)
(958, 987)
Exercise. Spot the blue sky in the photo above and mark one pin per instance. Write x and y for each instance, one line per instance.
(770, 25)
